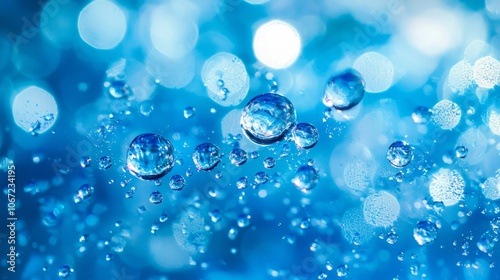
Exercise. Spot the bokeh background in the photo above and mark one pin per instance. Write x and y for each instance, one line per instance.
(60, 59)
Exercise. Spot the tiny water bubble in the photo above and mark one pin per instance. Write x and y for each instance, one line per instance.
(342, 270)
(189, 112)
(163, 218)
(305, 135)
(109, 257)
(215, 215)
(461, 151)
(83, 193)
(254, 155)
(399, 154)
(232, 233)
(243, 220)
(64, 271)
(305, 178)
(146, 108)
(117, 88)
(242, 183)
(269, 162)
(261, 177)
(421, 115)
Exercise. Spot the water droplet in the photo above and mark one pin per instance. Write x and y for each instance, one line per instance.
(486, 243)
(461, 151)
(232, 233)
(421, 115)
(399, 154)
(163, 218)
(392, 238)
(261, 178)
(269, 162)
(344, 91)
(238, 157)
(425, 232)
(84, 192)
(206, 156)
(242, 183)
(64, 271)
(177, 182)
(305, 135)
(267, 118)
(306, 178)
(105, 162)
(243, 220)
(85, 161)
(189, 112)
(146, 108)
(254, 154)
(109, 257)
(155, 197)
(215, 215)
(150, 156)
(342, 270)
(117, 88)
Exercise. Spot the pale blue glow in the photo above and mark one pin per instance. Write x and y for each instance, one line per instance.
(34, 110)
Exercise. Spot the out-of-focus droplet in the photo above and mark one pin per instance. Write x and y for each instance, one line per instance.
(343, 270)
(189, 112)
(306, 178)
(105, 162)
(84, 192)
(461, 151)
(425, 232)
(64, 271)
(421, 115)
(85, 161)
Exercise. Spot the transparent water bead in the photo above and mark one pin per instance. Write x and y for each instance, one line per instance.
(267, 118)
(156, 197)
(84, 192)
(150, 156)
(306, 178)
(206, 156)
(421, 115)
(269, 162)
(238, 157)
(399, 154)
(189, 112)
(226, 79)
(177, 182)
(381, 209)
(105, 162)
(64, 271)
(446, 114)
(85, 161)
(344, 91)
(425, 232)
(305, 135)
(117, 88)
(447, 186)
(461, 151)
(342, 270)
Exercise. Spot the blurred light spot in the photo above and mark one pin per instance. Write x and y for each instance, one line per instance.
(475, 50)
(446, 114)
(34, 109)
(171, 34)
(276, 44)
(256, 2)
(493, 6)
(486, 72)
(226, 79)
(102, 24)
(37, 58)
(376, 70)
(493, 118)
(171, 73)
(473, 139)
(230, 124)
(60, 27)
(460, 77)
(434, 32)
(137, 77)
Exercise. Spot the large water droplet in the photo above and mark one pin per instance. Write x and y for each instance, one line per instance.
(267, 118)
(150, 156)
(344, 91)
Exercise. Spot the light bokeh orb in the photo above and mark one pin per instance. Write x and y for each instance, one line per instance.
(377, 71)
(277, 44)
(487, 72)
(102, 24)
(460, 77)
(34, 110)
(447, 186)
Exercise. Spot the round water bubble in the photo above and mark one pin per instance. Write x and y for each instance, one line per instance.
(344, 91)
(105, 162)
(461, 151)
(460, 77)
(491, 188)
(399, 154)
(84, 192)
(305, 135)
(64, 271)
(34, 110)
(447, 186)
(277, 44)
(425, 233)
(226, 79)
(377, 71)
(354, 227)
(206, 156)
(446, 114)
(156, 197)
(85, 161)
(238, 157)
(117, 88)
(487, 72)
(189, 112)
(267, 118)
(421, 115)
(306, 178)
(150, 156)
(102, 24)
(177, 182)
(269, 162)
(381, 209)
